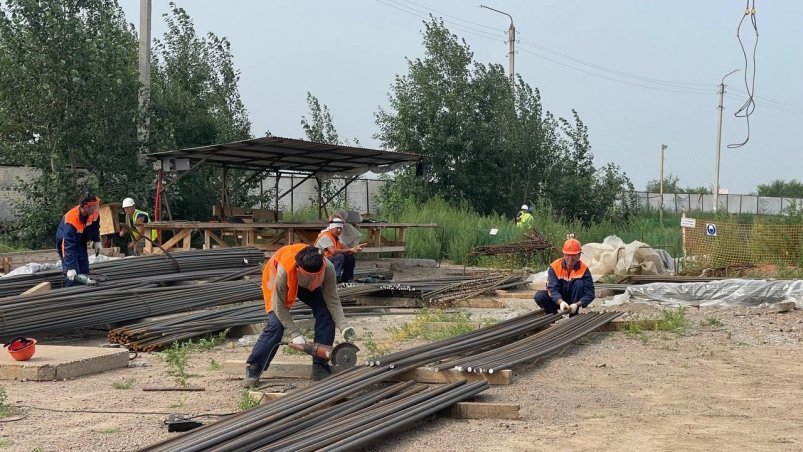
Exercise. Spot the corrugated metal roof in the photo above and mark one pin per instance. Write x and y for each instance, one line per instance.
(291, 155)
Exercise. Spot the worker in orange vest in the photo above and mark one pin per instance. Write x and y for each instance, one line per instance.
(569, 284)
(79, 226)
(299, 272)
(342, 258)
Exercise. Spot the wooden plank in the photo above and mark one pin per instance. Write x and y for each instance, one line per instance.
(516, 295)
(480, 410)
(41, 287)
(492, 303)
(784, 306)
(383, 249)
(624, 325)
(109, 220)
(265, 397)
(236, 368)
(426, 375)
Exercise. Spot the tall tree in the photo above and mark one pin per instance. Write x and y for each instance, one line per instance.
(484, 145)
(195, 101)
(781, 188)
(68, 105)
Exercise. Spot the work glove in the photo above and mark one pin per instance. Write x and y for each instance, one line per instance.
(348, 334)
(98, 247)
(564, 307)
(71, 274)
(574, 307)
(299, 340)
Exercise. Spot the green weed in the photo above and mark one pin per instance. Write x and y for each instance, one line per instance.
(633, 330)
(5, 443)
(214, 365)
(109, 430)
(5, 410)
(371, 347)
(210, 341)
(674, 320)
(177, 358)
(247, 401)
(711, 321)
(421, 328)
(124, 384)
(178, 404)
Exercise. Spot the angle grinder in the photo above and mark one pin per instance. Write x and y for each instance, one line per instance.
(340, 357)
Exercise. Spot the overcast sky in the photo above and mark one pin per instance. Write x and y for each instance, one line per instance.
(639, 73)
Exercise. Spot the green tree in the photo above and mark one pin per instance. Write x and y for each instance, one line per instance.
(781, 188)
(484, 145)
(68, 105)
(672, 185)
(195, 101)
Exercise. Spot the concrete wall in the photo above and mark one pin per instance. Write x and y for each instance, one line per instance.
(8, 179)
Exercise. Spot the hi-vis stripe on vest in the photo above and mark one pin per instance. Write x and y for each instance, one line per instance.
(286, 257)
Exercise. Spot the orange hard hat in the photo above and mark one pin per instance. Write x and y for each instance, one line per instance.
(22, 348)
(572, 246)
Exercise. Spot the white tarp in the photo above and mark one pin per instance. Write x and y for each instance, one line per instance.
(613, 256)
(723, 292)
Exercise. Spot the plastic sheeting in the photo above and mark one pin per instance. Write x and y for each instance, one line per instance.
(724, 292)
(614, 256)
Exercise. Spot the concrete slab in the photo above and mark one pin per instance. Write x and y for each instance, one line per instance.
(59, 362)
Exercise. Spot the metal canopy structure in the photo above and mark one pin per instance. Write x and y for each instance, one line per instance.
(278, 155)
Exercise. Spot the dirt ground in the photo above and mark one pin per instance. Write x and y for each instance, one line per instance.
(731, 382)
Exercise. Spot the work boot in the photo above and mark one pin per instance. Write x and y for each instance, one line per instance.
(251, 379)
(320, 371)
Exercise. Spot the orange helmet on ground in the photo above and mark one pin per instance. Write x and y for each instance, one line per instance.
(572, 246)
(22, 348)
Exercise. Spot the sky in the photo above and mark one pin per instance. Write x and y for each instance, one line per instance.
(639, 73)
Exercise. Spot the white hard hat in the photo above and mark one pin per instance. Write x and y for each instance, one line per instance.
(128, 202)
(523, 207)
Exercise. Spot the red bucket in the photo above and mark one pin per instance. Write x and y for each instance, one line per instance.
(22, 348)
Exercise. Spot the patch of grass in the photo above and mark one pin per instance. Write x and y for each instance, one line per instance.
(177, 358)
(372, 347)
(742, 344)
(674, 320)
(124, 384)
(421, 328)
(5, 410)
(633, 330)
(178, 404)
(5, 443)
(210, 341)
(214, 365)
(109, 430)
(711, 321)
(246, 401)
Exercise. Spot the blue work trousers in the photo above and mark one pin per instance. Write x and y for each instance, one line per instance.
(550, 307)
(271, 337)
(344, 266)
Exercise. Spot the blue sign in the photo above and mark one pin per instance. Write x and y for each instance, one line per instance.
(711, 229)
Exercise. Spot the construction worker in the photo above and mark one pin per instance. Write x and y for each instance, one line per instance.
(524, 218)
(79, 226)
(569, 284)
(134, 227)
(297, 271)
(342, 258)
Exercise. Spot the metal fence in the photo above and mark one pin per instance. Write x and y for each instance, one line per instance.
(735, 204)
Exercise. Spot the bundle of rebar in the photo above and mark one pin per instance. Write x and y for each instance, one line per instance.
(532, 347)
(535, 242)
(144, 267)
(87, 307)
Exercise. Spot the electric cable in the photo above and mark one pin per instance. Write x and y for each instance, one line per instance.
(749, 105)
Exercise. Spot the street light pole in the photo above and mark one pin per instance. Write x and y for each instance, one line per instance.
(661, 187)
(720, 108)
(511, 36)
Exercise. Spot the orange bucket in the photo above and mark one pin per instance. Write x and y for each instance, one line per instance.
(22, 348)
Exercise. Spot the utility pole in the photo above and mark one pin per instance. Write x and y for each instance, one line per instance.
(661, 187)
(720, 108)
(144, 64)
(511, 36)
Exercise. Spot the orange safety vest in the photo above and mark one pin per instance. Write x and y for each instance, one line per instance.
(73, 218)
(568, 274)
(335, 240)
(286, 257)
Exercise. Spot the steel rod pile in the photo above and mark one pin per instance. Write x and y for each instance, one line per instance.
(337, 413)
(532, 347)
(501, 332)
(144, 267)
(93, 306)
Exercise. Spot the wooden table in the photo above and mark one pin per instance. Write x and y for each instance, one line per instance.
(272, 236)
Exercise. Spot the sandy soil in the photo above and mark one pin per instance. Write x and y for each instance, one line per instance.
(729, 384)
